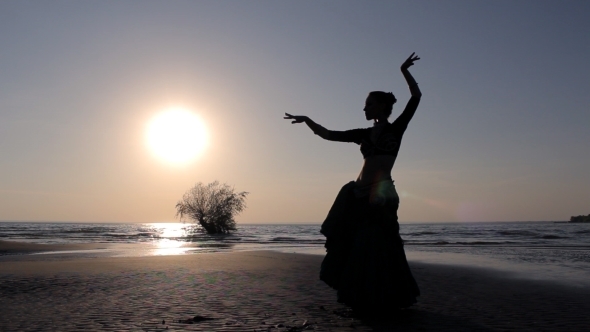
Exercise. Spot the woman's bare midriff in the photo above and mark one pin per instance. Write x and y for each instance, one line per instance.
(375, 169)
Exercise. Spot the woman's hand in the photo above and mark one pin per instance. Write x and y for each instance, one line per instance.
(410, 61)
(316, 128)
(295, 118)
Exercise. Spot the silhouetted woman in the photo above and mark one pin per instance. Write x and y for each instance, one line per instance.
(365, 258)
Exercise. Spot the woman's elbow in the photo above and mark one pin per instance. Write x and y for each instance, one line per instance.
(324, 134)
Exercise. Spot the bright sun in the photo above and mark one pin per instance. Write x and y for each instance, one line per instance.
(177, 136)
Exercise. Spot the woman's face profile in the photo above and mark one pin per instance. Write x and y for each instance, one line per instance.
(373, 109)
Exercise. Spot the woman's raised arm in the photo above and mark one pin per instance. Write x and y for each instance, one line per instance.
(412, 105)
(409, 78)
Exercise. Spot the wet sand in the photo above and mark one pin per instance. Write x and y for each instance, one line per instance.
(15, 248)
(261, 291)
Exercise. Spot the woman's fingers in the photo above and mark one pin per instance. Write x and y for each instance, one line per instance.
(413, 57)
(410, 61)
(295, 118)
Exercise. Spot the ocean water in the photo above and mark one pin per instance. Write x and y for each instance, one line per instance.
(558, 251)
(544, 250)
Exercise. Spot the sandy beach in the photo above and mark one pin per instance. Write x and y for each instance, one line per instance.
(259, 291)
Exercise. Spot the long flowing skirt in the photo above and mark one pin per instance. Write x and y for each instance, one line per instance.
(365, 260)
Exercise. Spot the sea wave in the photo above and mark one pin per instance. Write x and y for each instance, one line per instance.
(553, 237)
(284, 239)
(459, 243)
(422, 233)
(517, 233)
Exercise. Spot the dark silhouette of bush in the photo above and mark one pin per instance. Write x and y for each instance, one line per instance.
(580, 218)
(213, 206)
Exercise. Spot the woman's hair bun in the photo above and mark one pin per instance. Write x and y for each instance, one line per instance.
(386, 98)
(391, 98)
(383, 97)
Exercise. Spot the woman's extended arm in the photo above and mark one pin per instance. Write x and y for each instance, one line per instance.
(352, 136)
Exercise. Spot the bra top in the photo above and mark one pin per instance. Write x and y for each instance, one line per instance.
(381, 139)
(374, 141)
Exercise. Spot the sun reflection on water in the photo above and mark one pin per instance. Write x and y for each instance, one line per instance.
(183, 238)
(172, 239)
(169, 247)
(171, 230)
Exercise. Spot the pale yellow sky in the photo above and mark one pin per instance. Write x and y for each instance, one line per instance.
(501, 133)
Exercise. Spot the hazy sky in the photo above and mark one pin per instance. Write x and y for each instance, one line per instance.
(502, 132)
